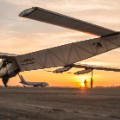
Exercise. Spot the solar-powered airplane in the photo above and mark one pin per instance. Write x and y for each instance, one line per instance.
(65, 55)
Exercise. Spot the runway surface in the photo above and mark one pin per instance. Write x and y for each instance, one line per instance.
(59, 104)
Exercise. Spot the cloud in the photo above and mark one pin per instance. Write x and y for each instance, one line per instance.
(38, 35)
(68, 5)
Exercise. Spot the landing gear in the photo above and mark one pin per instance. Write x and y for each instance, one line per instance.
(5, 81)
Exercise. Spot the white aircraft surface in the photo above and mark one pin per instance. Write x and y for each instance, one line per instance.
(87, 68)
(65, 55)
(34, 84)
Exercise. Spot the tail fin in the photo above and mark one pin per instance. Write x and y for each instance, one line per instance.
(22, 79)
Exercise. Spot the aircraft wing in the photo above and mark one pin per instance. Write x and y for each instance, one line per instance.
(96, 67)
(67, 54)
(51, 17)
(6, 55)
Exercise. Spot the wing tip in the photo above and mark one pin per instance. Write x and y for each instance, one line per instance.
(27, 11)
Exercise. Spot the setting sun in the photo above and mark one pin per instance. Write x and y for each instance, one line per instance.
(80, 80)
(82, 84)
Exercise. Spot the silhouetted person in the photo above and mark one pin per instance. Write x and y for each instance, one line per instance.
(85, 83)
(91, 83)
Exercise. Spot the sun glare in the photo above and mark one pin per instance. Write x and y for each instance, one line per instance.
(82, 84)
(81, 79)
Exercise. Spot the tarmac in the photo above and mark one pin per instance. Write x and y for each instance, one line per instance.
(18, 103)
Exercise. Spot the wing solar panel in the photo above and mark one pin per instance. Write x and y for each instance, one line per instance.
(67, 54)
(54, 18)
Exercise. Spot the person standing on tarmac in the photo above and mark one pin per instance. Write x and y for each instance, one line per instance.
(91, 83)
(85, 83)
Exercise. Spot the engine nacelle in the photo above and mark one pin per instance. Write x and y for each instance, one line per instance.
(83, 71)
(12, 69)
(64, 69)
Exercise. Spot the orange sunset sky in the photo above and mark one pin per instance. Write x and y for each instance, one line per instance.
(19, 35)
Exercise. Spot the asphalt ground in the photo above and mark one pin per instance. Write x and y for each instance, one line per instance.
(17, 103)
